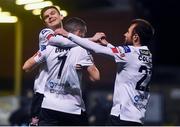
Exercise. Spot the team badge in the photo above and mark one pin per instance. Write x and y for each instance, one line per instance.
(126, 49)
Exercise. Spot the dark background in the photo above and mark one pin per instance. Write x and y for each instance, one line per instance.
(111, 17)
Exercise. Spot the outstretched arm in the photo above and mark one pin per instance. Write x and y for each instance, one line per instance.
(60, 41)
(48, 36)
(87, 44)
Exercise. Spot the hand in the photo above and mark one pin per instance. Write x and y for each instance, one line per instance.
(103, 42)
(98, 36)
(62, 32)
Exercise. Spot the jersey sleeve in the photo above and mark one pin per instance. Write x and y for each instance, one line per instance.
(119, 54)
(110, 45)
(40, 56)
(47, 36)
(114, 52)
(86, 58)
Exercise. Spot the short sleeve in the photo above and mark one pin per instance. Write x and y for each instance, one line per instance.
(86, 58)
(40, 56)
(119, 54)
(44, 36)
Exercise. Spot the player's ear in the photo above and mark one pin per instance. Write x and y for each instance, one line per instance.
(78, 33)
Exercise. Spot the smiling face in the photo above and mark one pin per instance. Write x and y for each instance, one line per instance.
(52, 18)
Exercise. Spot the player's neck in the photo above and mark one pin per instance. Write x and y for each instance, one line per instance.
(136, 44)
(56, 27)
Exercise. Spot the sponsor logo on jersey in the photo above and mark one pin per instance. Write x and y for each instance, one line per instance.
(138, 98)
(126, 49)
(144, 52)
(55, 88)
(139, 101)
(140, 106)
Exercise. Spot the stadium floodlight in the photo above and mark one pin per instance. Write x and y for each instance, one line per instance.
(63, 13)
(21, 2)
(3, 13)
(8, 19)
(36, 12)
(58, 7)
(37, 5)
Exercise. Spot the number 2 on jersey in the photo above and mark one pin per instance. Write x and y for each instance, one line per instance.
(139, 85)
(63, 59)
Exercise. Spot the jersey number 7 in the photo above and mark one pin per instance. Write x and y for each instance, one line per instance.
(63, 59)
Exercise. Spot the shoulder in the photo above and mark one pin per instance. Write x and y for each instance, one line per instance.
(127, 48)
(76, 50)
(81, 50)
(48, 49)
(45, 31)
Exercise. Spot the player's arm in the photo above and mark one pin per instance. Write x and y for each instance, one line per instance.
(116, 53)
(60, 41)
(88, 43)
(33, 62)
(55, 40)
(30, 64)
(93, 73)
(86, 64)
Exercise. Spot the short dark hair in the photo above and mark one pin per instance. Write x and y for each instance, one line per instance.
(74, 24)
(46, 8)
(144, 30)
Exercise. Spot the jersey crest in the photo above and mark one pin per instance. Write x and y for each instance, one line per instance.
(127, 49)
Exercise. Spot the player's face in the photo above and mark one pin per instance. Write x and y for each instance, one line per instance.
(129, 35)
(52, 18)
